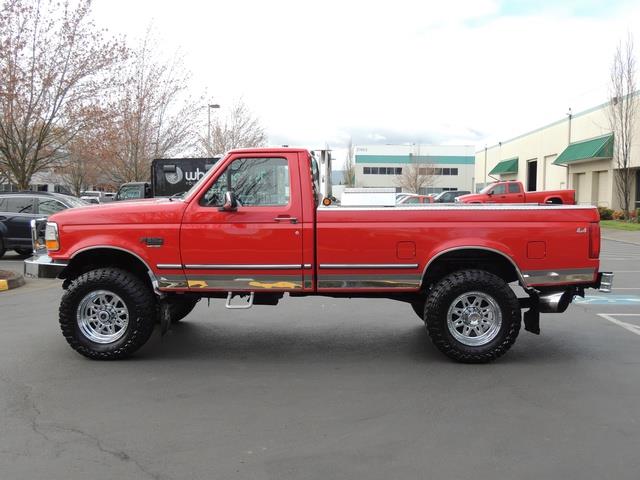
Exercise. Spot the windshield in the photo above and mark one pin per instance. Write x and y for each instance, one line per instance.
(75, 202)
(203, 179)
(487, 188)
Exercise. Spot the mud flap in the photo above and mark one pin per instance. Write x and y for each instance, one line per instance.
(165, 318)
(532, 321)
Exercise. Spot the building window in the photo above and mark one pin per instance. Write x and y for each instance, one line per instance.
(366, 170)
(454, 171)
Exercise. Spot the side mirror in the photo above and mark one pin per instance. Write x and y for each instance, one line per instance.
(230, 202)
(490, 192)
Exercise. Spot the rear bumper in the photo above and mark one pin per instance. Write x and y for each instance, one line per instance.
(42, 266)
(604, 282)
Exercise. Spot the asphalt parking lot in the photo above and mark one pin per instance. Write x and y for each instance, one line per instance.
(321, 389)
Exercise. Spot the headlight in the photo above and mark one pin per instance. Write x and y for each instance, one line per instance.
(51, 238)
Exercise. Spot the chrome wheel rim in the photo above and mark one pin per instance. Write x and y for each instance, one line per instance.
(474, 319)
(103, 316)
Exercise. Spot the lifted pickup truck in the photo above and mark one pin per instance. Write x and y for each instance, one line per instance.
(256, 227)
(513, 192)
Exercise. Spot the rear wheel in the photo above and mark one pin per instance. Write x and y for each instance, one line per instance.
(2, 249)
(107, 314)
(472, 316)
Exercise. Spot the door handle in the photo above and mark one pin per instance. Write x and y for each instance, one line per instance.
(285, 218)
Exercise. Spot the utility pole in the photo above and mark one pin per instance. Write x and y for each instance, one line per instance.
(209, 107)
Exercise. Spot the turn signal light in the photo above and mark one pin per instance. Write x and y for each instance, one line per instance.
(51, 238)
(594, 240)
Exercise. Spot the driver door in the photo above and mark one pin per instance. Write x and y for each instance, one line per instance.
(258, 246)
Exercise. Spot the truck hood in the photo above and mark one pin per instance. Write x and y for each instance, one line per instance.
(469, 197)
(149, 211)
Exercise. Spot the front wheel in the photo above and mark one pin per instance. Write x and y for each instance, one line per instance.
(107, 314)
(472, 316)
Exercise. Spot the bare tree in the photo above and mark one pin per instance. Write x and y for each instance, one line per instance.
(79, 169)
(151, 115)
(349, 166)
(239, 130)
(53, 64)
(622, 116)
(416, 175)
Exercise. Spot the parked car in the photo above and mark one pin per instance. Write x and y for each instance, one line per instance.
(449, 196)
(413, 199)
(17, 209)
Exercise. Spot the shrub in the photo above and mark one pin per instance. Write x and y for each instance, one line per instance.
(618, 215)
(605, 213)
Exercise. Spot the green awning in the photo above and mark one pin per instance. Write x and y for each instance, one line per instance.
(593, 149)
(505, 167)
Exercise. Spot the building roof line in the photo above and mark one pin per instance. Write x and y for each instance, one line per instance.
(579, 114)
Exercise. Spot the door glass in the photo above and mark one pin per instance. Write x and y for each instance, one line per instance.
(256, 182)
(49, 206)
(514, 188)
(20, 205)
(499, 190)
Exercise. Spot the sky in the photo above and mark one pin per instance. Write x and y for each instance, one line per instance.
(456, 72)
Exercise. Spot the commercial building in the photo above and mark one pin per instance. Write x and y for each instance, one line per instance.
(450, 167)
(574, 152)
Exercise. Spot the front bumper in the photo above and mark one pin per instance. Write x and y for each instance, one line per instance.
(43, 266)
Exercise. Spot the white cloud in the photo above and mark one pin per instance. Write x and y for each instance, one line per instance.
(445, 72)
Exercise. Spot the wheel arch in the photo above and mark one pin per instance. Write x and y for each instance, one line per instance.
(471, 257)
(554, 200)
(108, 256)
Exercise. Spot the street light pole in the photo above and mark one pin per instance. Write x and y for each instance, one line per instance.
(209, 107)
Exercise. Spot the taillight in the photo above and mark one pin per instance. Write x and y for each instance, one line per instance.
(594, 240)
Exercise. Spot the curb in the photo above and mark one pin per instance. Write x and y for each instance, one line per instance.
(15, 280)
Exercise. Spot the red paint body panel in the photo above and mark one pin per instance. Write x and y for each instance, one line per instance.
(389, 248)
(568, 197)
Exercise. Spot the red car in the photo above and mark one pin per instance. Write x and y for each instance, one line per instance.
(255, 226)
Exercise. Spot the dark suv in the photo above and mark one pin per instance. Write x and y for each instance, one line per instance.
(17, 209)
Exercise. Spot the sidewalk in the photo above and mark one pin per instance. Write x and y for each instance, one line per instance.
(621, 236)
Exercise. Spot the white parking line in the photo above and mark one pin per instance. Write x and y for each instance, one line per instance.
(627, 326)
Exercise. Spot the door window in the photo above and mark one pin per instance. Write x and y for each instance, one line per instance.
(20, 205)
(499, 190)
(49, 206)
(256, 182)
(514, 188)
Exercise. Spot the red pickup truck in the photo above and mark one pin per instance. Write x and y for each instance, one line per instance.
(513, 192)
(255, 226)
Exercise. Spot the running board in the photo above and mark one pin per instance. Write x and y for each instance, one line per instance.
(246, 305)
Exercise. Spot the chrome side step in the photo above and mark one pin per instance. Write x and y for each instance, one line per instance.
(247, 304)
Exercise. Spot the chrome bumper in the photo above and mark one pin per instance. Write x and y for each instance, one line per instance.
(42, 266)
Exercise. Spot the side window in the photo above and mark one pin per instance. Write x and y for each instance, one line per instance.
(3, 205)
(256, 182)
(413, 200)
(49, 206)
(20, 205)
(514, 188)
(499, 189)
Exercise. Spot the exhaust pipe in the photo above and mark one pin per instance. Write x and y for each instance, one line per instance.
(555, 301)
